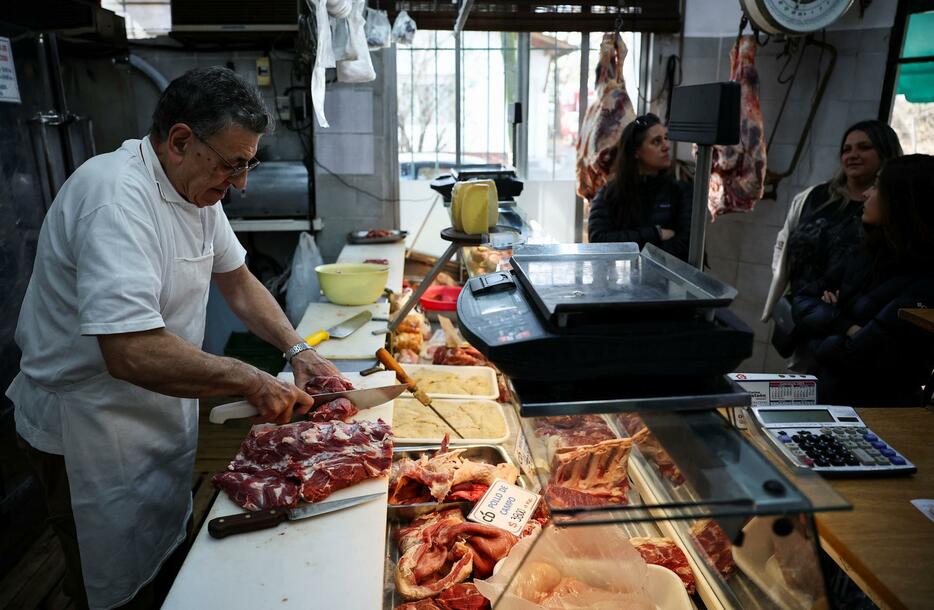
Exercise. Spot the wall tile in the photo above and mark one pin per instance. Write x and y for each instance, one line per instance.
(753, 281)
(870, 74)
(756, 362)
(749, 312)
(724, 238)
(774, 363)
(830, 123)
(757, 243)
(863, 110)
(724, 269)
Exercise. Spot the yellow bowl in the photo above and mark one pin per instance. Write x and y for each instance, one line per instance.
(352, 283)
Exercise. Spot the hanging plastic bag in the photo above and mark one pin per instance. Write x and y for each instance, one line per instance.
(302, 287)
(341, 43)
(403, 30)
(377, 28)
(339, 8)
(359, 70)
(324, 59)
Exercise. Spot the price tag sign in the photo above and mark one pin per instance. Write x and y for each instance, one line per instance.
(9, 89)
(505, 506)
(524, 457)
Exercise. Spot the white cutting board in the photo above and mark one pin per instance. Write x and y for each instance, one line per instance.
(394, 253)
(331, 561)
(360, 345)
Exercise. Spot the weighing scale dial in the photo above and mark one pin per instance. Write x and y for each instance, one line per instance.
(794, 16)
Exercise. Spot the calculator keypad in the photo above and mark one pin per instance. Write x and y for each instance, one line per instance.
(845, 448)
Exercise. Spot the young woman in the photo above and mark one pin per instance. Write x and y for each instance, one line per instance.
(823, 226)
(865, 354)
(642, 203)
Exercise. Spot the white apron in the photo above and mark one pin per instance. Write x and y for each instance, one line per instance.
(130, 453)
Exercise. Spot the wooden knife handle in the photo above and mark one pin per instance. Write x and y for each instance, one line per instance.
(390, 363)
(246, 522)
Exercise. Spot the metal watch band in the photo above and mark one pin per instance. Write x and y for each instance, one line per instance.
(298, 347)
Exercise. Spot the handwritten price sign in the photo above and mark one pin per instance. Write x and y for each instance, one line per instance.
(505, 506)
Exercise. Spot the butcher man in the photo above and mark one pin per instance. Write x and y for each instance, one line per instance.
(111, 330)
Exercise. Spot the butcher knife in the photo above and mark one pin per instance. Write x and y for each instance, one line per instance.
(390, 363)
(362, 399)
(263, 519)
(341, 330)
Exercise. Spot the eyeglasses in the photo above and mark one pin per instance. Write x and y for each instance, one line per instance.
(232, 170)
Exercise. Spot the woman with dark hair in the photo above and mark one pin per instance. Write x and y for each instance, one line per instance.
(642, 203)
(823, 226)
(865, 354)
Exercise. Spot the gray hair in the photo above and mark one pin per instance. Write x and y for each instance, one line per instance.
(209, 100)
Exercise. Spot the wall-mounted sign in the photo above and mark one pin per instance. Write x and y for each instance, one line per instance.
(9, 89)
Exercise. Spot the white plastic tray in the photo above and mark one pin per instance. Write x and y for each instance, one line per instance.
(464, 372)
(454, 440)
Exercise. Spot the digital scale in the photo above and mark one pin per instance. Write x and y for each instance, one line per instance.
(624, 321)
(830, 440)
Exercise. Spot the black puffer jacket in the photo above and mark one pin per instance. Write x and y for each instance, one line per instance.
(666, 203)
(887, 360)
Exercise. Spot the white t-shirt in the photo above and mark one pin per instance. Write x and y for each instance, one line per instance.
(103, 266)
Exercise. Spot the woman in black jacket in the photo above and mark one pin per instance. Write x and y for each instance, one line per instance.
(865, 354)
(642, 203)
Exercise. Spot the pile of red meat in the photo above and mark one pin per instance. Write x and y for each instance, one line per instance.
(574, 430)
(444, 476)
(650, 448)
(712, 540)
(469, 356)
(341, 408)
(441, 549)
(280, 465)
(590, 475)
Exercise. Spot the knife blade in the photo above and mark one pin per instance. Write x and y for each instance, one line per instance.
(362, 399)
(341, 330)
(383, 355)
(220, 527)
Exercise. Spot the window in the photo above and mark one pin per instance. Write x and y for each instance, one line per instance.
(144, 18)
(908, 97)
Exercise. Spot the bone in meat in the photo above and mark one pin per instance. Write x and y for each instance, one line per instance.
(737, 179)
(604, 120)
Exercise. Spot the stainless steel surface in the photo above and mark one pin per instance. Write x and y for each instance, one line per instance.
(321, 508)
(699, 206)
(348, 326)
(275, 189)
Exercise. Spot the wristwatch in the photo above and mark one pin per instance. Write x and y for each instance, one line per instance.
(295, 349)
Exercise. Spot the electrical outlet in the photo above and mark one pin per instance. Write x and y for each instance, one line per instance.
(283, 108)
(263, 77)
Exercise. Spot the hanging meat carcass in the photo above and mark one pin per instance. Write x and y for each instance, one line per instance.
(737, 179)
(605, 119)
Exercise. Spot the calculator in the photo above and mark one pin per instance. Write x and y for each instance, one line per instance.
(830, 440)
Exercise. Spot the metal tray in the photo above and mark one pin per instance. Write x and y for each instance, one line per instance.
(487, 454)
(359, 237)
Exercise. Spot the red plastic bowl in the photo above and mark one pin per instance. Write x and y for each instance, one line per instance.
(440, 298)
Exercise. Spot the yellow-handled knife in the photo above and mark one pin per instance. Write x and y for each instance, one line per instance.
(341, 330)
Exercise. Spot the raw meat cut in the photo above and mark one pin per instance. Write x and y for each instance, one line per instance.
(592, 475)
(441, 549)
(341, 409)
(444, 476)
(315, 458)
(542, 583)
(377, 261)
(650, 448)
(574, 430)
(462, 596)
(715, 545)
(604, 120)
(737, 179)
(378, 233)
(459, 356)
(665, 553)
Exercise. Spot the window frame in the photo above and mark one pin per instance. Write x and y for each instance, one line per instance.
(906, 8)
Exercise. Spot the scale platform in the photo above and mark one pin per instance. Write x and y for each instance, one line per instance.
(609, 314)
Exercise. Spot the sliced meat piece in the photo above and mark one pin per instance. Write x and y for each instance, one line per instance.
(574, 430)
(426, 570)
(328, 383)
(665, 553)
(406, 537)
(604, 120)
(462, 596)
(259, 490)
(712, 540)
(591, 475)
(340, 409)
(737, 179)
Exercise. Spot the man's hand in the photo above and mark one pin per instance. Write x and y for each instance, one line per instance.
(277, 400)
(830, 297)
(308, 364)
(667, 234)
(853, 330)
